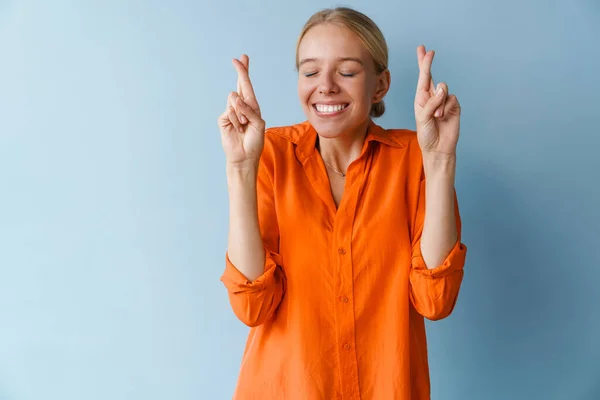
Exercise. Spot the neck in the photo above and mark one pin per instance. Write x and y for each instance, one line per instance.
(344, 148)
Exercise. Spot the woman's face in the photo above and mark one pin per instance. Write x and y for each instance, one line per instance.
(337, 82)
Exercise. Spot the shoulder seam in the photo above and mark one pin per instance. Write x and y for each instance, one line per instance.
(281, 132)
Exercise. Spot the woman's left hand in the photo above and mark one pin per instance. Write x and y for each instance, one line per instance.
(437, 116)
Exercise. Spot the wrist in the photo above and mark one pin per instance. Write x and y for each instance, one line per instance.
(441, 166)
(242, 173)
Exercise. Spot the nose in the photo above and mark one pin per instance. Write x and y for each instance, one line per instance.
(327, 84)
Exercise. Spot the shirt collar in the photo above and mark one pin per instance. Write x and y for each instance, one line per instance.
(306, 138)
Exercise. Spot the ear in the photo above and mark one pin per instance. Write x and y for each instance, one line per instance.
(384, 81)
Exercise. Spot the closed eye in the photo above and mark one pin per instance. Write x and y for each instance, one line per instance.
(345, 75)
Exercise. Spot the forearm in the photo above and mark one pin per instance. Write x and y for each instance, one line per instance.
(439, 228)
(245, 245)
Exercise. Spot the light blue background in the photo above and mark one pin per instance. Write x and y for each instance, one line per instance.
(113, 199)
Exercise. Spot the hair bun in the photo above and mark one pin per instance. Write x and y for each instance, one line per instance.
(377, 109)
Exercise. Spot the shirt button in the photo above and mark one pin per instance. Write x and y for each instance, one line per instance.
(344, 299)
(346, 346)
(342, 251)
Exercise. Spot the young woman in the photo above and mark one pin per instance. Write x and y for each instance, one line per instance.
(343, 235)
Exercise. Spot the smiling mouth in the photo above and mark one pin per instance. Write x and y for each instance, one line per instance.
(330, 109)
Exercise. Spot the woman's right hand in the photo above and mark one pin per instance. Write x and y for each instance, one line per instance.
(242, 127)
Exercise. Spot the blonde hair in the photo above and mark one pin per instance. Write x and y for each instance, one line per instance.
(367, 31)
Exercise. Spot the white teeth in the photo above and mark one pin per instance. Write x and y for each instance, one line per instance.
(325, 109)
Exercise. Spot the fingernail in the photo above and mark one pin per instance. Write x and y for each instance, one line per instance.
(440, 91)
(438, 113)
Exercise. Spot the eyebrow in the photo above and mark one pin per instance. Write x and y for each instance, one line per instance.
(306, 60)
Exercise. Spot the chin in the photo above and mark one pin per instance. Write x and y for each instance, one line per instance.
(333, 128)
(329, 130)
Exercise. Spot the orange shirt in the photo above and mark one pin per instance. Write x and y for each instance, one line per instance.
(339, 310)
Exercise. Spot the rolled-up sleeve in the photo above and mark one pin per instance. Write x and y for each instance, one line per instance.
(434, 292)
(255, 302)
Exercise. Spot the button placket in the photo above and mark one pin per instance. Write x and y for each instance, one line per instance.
(344, 287)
